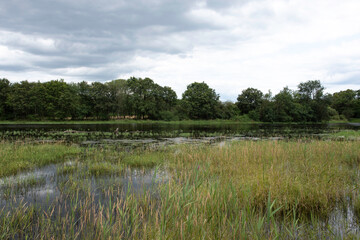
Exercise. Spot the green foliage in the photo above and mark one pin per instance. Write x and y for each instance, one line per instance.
(249, 100)
(119, 93)
(288, 109)
(200, 101)
(284, 105)
(57, 100)
(254, 115)
(346, 103)
(101, 101)
(227, 110)
(333, 114)
(311, 90)
(311, 96)
(85, 101)
(168, 116)
(308, 104)
(144, 99)
(18, 100)
(60, 98)
(242, 118)
(4, 91)
(147, 99)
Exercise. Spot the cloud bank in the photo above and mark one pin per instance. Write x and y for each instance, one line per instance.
(231, 45)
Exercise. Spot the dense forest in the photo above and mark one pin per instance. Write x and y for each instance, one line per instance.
(144, 99)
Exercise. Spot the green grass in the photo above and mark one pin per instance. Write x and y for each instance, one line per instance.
(127, 121)
(103, 168)
(242, 190)
(355, 120)
(67, 169)
(347, 134)
(351, 120)
(338, 121)
(310, 176)
(238, 120)
(147, 159)
(16, 157)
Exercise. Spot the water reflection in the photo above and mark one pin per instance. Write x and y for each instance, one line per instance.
(57, 186)
(90, 132)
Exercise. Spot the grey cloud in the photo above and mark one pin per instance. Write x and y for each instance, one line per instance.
(95, 33)
(224, 4)
(12, 68)
(94, 19)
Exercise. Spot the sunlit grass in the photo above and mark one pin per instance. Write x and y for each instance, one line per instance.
(16, 157)
(145, 159)
(103, 168)
(347, 134)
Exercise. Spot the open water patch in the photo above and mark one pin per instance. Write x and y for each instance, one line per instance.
(54, 186)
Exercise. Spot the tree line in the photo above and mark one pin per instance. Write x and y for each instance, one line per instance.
(144, 99)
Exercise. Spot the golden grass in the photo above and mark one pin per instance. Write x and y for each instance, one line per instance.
(244, 190)
(313, 176)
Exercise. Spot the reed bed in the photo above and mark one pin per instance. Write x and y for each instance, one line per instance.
(242, 190)
(313, 176)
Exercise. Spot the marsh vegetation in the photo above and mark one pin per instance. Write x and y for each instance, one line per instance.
(220, 187)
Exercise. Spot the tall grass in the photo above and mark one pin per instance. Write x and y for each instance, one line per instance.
(312, 176)
(244, 190)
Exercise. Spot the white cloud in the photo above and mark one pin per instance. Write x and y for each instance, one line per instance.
(232, 45)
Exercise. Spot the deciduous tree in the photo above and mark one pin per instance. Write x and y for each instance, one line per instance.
(200, 101)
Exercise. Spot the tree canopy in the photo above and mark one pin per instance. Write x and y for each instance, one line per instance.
(144, 99)
(200, 101)
(249, 100)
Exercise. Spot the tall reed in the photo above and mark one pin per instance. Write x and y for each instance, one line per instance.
(244, 190)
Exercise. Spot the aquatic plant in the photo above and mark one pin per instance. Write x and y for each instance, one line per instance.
(16, 157)
(239, 190)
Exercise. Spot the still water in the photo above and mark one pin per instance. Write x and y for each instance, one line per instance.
(52, 188)
(89, 132)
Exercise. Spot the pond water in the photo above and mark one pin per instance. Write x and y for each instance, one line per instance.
(47, 186)
(126, 137)
(91, 132)
(59, 193)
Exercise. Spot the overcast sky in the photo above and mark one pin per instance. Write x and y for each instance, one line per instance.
(230, 45)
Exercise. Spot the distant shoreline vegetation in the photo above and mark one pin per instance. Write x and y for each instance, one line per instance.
(143, 99)
(149, 121)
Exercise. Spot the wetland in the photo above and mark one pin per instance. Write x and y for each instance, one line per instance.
(174, 181)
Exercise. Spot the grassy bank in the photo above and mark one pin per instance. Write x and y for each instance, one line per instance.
(243, 190)
(129, 121)
(351, 120)
(182, 122)
(355, 120)
(347, 134)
